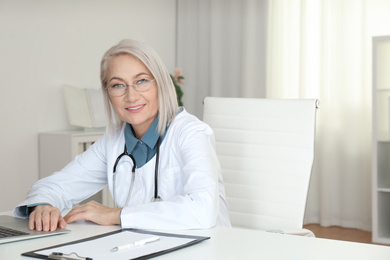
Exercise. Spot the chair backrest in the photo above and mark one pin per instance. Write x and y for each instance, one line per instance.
(266, 151)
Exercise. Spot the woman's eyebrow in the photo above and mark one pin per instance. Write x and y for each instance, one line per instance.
(141, 74)
(118, 78)
(134, 77)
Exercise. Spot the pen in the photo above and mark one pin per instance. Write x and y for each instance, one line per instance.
(134, 244)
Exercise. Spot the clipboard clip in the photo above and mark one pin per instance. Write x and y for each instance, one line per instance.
(62, 256)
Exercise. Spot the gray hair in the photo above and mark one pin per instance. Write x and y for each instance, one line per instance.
(167, 101)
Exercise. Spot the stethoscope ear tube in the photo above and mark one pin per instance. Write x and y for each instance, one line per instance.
(119, 157)
(114, 175)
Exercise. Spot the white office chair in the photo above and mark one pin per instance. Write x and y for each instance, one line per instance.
(266, 151)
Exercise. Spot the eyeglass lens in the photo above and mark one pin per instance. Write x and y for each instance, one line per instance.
(119, 89)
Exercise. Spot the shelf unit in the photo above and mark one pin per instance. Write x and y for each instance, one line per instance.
(381, 140)
(57, 149)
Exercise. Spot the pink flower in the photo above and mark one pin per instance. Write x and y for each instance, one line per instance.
(177, 72)
(178, 75)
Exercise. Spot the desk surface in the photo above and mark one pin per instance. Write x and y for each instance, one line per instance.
(225, 243)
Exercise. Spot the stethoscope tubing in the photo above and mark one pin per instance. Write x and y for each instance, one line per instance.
(156, 196)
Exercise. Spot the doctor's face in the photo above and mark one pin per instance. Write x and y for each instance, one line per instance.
(134, 107)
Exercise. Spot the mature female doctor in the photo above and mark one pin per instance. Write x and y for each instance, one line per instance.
(158, 160)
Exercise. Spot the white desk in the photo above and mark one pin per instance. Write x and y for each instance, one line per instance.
(225, 243)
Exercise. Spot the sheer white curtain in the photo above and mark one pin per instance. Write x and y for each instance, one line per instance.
(221, 49)
(322, 49)
(315, 49)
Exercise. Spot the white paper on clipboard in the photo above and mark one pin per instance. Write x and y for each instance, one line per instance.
(100, 247)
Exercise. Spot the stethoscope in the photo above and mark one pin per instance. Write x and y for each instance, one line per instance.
(156, 196)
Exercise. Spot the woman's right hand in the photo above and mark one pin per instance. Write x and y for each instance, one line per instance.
(46, 218)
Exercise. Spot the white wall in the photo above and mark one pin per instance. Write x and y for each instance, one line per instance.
(45, 44)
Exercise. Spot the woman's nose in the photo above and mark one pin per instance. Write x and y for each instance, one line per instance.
(131, 94)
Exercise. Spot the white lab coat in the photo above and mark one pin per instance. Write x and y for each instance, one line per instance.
(190, 181)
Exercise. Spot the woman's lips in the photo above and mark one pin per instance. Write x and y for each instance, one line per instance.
(135, 108)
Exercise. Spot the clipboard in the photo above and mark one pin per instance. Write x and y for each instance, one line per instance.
(98, 247)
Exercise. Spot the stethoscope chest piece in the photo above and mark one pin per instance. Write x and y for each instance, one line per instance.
(156, 199)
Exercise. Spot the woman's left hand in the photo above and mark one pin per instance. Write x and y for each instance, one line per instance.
(95, 212)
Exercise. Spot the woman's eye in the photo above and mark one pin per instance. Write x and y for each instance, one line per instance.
(142, 81)
(118, 86)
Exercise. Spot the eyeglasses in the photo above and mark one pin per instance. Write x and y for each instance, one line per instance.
(119, 89)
